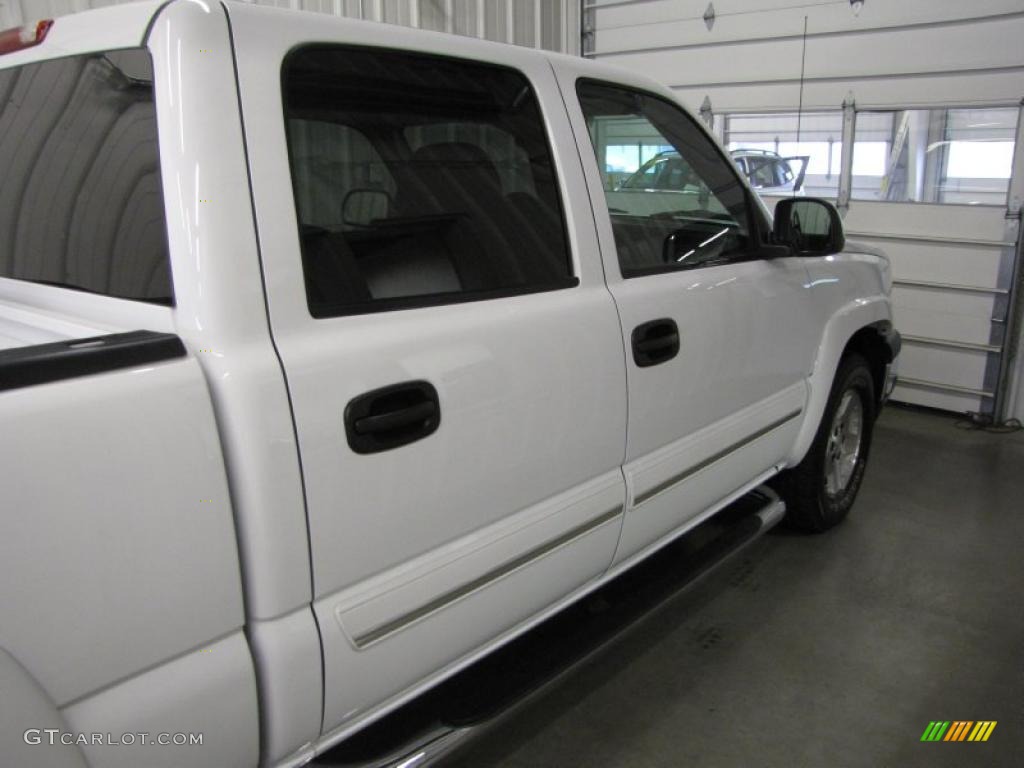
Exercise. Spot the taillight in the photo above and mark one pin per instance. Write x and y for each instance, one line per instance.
(20, 38)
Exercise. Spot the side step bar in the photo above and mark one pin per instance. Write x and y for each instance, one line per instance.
(462, 708)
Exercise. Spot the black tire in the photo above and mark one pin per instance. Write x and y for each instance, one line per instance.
(816, 496)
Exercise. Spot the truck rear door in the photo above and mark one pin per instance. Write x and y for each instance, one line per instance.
(453, 356)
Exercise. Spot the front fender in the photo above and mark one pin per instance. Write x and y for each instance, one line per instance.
(850, 292)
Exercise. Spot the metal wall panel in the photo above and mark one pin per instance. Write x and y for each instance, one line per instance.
(549, 24)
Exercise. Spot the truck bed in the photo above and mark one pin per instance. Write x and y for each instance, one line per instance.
(23, 325)
(49, 334)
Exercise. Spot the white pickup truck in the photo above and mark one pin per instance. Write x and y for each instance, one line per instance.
(331, 360)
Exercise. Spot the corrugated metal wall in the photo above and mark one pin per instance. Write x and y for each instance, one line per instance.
(550, 24)
(954, 264)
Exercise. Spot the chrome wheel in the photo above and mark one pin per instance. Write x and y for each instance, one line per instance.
(844, 443)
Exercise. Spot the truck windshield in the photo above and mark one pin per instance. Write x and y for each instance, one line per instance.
(81, 204)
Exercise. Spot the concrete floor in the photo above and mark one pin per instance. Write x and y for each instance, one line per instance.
(824, 651)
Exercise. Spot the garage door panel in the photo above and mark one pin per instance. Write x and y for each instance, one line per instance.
(940, 222)
(671, 22)
(947, 262)
(984, 88)
(951, 367)
(944, 315)
(832, 57)
(954, 402)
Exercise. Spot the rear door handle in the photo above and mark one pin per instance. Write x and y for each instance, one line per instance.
(392, 416)
(655, 342)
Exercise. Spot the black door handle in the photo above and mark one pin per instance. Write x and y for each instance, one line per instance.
(391, 417)
(388, 422)
(658, 345)
(655, 342)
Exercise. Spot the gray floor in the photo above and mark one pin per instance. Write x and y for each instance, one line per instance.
(830, 651)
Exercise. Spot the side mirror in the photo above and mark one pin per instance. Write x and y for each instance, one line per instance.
(809, 225)
(362, 206)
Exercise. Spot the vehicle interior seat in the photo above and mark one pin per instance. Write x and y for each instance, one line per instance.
(452, 229)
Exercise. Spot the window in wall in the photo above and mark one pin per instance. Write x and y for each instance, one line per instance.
(419, 180)
(934, 156)
(801, 153)
(637, 148)
(879, 173)
(621, 160)
(650, 151)
(979, 156)
(686, 206)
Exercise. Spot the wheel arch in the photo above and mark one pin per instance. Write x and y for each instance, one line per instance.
(863, 326)
(26, 715)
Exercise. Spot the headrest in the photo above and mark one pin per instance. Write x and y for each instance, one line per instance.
(456, 157)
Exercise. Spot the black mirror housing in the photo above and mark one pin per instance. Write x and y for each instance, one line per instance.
(811, 226)
(361, 206)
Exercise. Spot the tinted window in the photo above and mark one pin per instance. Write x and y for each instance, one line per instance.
(692, 211)
(81, 203)
(419, 180)
(332, 162)
(662, 172)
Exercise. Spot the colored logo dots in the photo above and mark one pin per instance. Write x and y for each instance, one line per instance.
(958, 730)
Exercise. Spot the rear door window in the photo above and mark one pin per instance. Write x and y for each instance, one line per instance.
(419, 180)
(81, 204)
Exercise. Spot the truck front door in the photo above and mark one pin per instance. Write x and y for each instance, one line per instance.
(719, 340)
